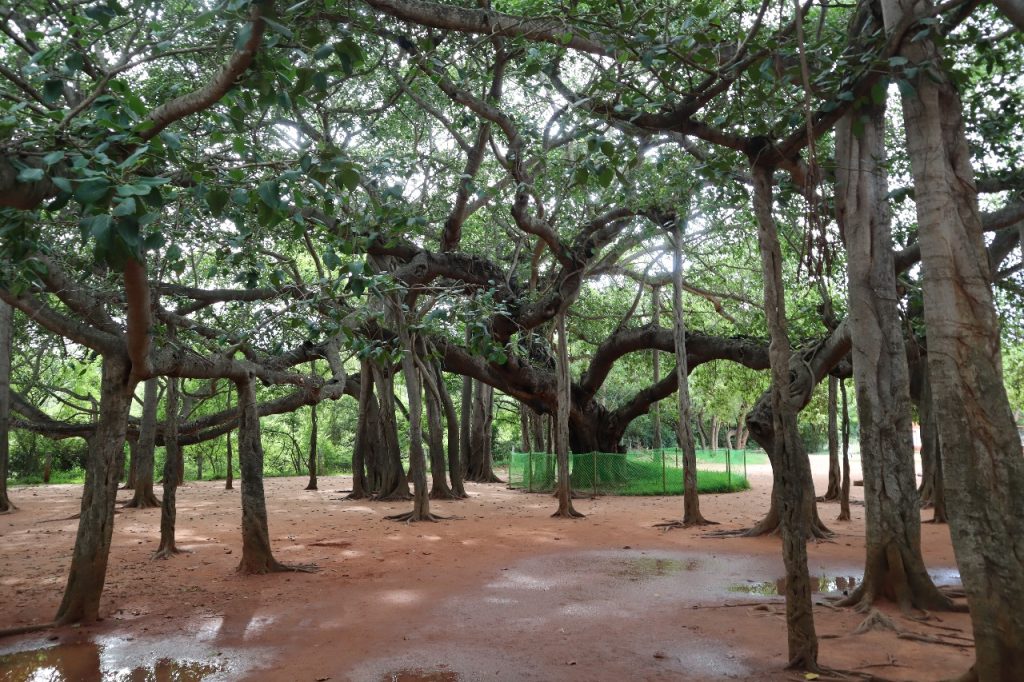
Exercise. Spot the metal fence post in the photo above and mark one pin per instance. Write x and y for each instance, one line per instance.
(594, 476)
(529, 471)
(664, 487)
(728, 468)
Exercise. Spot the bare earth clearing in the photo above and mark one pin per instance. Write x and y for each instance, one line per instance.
(502, 593)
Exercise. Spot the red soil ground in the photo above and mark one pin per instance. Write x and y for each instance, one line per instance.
(503, 592)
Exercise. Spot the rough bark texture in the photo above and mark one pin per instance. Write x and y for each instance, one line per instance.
(360, 486)
(656, 370)
(6, 330)
(480, 466)
(455, 447)
(417, 460)
(143, 457)
(834, 474)
(564, 490)
(684, 429)
(168, 510)
(844, 491)
(981, 451)
(394, 485)
(313, 428)
(439, 489)
(256, 554)
(791, 469)
(88, 572)
(894, 567)
(931, 448)
(229, 478)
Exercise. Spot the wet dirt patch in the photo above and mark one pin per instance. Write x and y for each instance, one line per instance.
(84, 662)
(420, 675)
(823, 584)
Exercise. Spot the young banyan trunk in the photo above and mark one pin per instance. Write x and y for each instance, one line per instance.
(439, 489)
(894, 567)
(394, 485)
(360, 486)
(981, 452)
(564, 491)
(454, 438)
(480, 465)
(88, 572)
(791, 469)
(844, 491)
(656, 370)
(256, 554)
(834, 474)
(313, 428)
(6, 332)
(144, 456)
(230, 476)
(168, 510)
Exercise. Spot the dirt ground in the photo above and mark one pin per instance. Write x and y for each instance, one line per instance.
(499, 592)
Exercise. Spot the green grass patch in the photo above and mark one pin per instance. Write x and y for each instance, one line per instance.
(76, 475)
(646, 479)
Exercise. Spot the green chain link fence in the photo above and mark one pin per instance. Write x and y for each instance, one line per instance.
(638, 472)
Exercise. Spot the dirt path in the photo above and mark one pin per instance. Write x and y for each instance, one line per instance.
(502, 593)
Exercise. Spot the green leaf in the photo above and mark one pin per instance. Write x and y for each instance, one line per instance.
(878, 92)
(216, 200)
(240, 196)
(906, 88)
(91, 191)
(63, 184)
(125, 207)
(53, 88)
(53, 157)
(30, 175)
(270, 193)
(349, 177)
(153, 241)
(243, 37)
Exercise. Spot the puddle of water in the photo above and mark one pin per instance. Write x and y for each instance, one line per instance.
(771, 588)
(420, 675)
(82, 662)
(645, 568)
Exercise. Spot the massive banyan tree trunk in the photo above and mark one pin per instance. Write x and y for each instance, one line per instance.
(96, 522)
(894, 567)
(793, 492)
(143, 457)
(479, 466)
(981, 451)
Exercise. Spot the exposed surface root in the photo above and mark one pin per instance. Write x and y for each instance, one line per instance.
(142, 502)
(877, 620)
(413, 517)
(26, 629)
(670, 525)
(168, 552)
(275, 566)
(569, 513)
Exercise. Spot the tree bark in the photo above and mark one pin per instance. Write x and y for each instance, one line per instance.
(894, 567)
(834, 474)
(257, 557)
(145, 451)
(360, 487)
(6, 333)
(313, 427)
(981, 451)
(931, 448)
(455, 445)
(480, 468)
(439, 489)
(565, 509)
(684, 429)
(230, 475)
(791, 469)
(168, 510)
(844, 492)
(394, 484)
(656, 370)
(96, 521)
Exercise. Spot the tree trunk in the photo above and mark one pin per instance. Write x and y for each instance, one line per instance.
(360, 489)
(312, 447)
(844, 492)
(524, 427)
(96, 521)
(417, 460)
(466, 419)
(394, 484)
(981, 452)
(257, 557)
(791, 469)
(656, 370)
(6, 333)
(931, 448)
(716, 426)
(168, 511)
(230, 475)
(133, 463)
(439, 489)
(455, 448)
(894, 567)
(537, 429)
(145, 452)
(684, 430)
(481, 434)
(834, 474)
(565, 509)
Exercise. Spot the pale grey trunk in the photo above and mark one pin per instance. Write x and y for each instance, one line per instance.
(146, 450)
(564, 396)
(172, 476)
(980, 450)
(834, 474)
(6, 332)
(894, 567)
